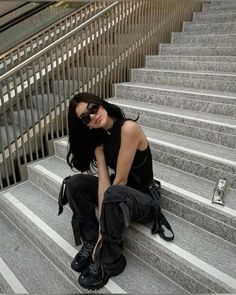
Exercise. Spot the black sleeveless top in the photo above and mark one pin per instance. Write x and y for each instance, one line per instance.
(141, 170)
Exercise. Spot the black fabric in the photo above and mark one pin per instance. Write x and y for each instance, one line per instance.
(121, 205)
(142, 163)
(62, 198)
(160, 221)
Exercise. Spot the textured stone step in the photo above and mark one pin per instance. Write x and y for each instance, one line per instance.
(24, 268)
(46, 102)
(181, 253)
(65, 87)
(209, 28)
(199, 158)
(40, 216)
(27, 118)
(208, 127)
(185, 63)
(200, 80)
(9, 134)
(191, 99)
(224, 7)
(210, 40)
(219, 2)
(199, 17)
(169, 49)
(189, 58)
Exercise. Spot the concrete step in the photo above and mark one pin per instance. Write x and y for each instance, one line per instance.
(27, 118)
(35, 213)
(209, 28)
(23, 268)
(192, 99)
(170, 49)
(200, 17)
(223, 7)
(189, 64)
(46, 102)
(199, 80)
(210, 40)
(194, 267)
(65, 88)
(8, 134)
(190, 58)
(203, 126)
(220, 2)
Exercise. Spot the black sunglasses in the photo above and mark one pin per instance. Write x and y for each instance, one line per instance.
(92, 108)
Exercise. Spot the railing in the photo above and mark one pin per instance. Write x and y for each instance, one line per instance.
(34, 95)
(30, 46)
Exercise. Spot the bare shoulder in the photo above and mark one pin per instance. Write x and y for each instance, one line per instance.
(130, 128)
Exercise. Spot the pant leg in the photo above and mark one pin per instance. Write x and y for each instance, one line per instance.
(83, 201)
(121, 203)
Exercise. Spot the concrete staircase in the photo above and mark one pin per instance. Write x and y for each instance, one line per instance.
(186, 99)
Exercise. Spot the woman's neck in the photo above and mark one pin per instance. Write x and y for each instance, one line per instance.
(110, 123)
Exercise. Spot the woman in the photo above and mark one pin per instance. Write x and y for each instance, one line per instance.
(100, 137)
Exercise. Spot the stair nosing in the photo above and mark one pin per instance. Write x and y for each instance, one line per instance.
(186, 72)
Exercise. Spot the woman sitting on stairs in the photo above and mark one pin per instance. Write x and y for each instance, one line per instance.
(100, 136)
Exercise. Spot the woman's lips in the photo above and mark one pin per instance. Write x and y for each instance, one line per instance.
(98, 120)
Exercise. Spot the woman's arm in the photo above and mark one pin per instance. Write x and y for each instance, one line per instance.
(132, 138)
(103, 176)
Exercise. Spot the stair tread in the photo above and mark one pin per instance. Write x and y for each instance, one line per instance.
(137, 276)
(188, 236)
(205, 149)
(172, 45)
(196, 34)
(193, 115)
(170, 88)
(207, 59)
(33, 270)
(198, 73)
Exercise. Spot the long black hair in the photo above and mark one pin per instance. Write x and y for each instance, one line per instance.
(82, 139)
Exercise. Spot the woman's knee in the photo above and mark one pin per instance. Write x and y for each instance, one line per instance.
(115, 193)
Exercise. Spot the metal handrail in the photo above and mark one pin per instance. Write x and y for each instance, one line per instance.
(57, 42)
(44, 31)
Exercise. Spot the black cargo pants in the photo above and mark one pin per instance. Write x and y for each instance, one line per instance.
(121, 205)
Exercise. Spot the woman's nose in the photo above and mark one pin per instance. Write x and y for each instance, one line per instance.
(92, 116)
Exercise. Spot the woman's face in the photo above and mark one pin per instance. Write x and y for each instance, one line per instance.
(92, 115)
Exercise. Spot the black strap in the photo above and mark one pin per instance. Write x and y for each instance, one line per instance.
(164, 221)
(160, 220)
(62, 198)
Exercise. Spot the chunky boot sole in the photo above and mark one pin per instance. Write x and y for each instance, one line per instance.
(107, 275)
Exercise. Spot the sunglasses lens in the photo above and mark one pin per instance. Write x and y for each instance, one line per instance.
(85, 119)
(91, 109)
(94, 108)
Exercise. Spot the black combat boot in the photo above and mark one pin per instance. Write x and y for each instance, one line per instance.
(83, 259)
(96, 276)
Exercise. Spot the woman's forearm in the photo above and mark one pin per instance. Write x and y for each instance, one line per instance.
(103, 177)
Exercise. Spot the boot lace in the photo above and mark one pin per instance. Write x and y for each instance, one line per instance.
(87, 249)
(94, 268)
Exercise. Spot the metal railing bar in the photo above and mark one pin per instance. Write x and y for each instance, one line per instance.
(57, 42)
(46, 38)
